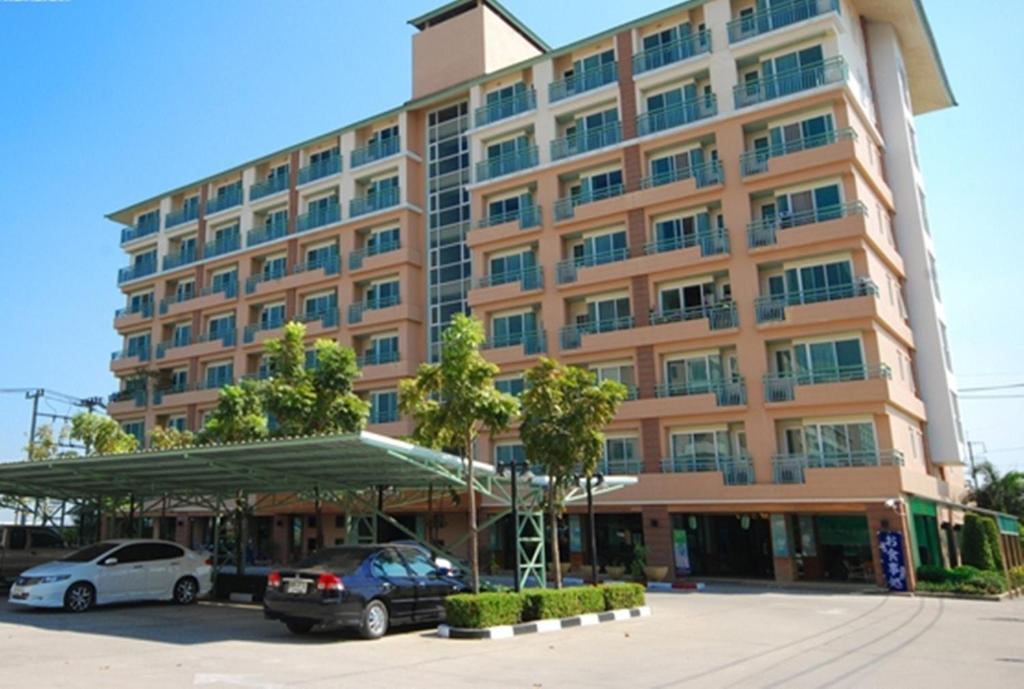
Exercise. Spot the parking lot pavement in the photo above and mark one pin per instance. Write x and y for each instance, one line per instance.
(728, 637)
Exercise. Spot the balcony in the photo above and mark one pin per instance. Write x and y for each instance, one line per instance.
(587, 80)
(331, 265)
(756, 161)
(670, 53)
(528, 278)
(228, 338)
(387, 415)
(355, 311)
(831, 71)
(571, 336)
(703, 175)
(589, 140)
(138, 396)
(532, 342)
(693, 110)
(179, 259)
(773, 308)
(254, 281)
(792, 468)
(506, 107)
(140, 230)
(357, 256)
(565, 271)
(620, 466)
(506, 164)
(249, 334)
(781, 387)
(319, 216)
(736, 471)
(134, 272)
(267, 232)
(375, 358)
(327, 317)
(172, 389)
(728, 393)
(144, 309)
(776, 17)
(325, 167)
(762, 233)
(711, 242)
(225, 244)
(267, 187)
(228, 288)
(379, 200)
(377, 150)
(221, 202)
(719, 316)
(181, 216)
(565, 207)
(132, 352)
(528, 216)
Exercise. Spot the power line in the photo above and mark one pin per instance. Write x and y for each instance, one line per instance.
(993, 387)
(992, 397)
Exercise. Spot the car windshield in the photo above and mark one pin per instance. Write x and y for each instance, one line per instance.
(89, 552)
(337, 560)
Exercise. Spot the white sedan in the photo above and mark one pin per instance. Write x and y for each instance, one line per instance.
(115, 571)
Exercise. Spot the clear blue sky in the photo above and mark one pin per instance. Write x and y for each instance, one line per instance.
(105, 103)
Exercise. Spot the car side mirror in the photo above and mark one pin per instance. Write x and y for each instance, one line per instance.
(109, 561)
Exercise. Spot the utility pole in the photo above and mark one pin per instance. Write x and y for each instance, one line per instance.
(33, 395)
(970, 456)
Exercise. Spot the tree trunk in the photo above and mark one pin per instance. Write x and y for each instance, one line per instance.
(553, 511)
(240, 534)
(318, 506)
(474, 544)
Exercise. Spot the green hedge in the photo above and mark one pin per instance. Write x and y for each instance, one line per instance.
(550, 604)
(1017, 577)
(618, 596)
(977, 551)
(966, 579)
(591, 599)
(483, 610)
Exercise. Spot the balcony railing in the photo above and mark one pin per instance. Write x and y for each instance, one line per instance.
(228, 338)
(356, 257)
(773, 308)
(506, 107)
(719, 316)
(319, 216)
(587, 80)
(254, 281)
(172, 389)
(831, 71)
(704, 175)
(711, 242)
(588, 140)
(781, 387)
(134, 272)
(375, 358)
(140, 230)
(229, 288)
(181, 258)
(756, 161)
(506, 164)
(565, 271)
(375, 151)
(571, 336)
(566, 207)
(528, 216)
(792, 468)
(267, 187)
(699, 108)
(355, 311)
(145, 309)
(765, 232)
(621, 466)
(141, 352)
(676, 51)
(328, 317)
(385, 198)
(532, 342)
(528, 278)
(330, 264)
(728, 393)
(324, 167)
(224, 244)
(389, 415)
(777, 16)
(228, 199)
(249, 334)
(139, 396)
(276, 229)
(736, 471)
(181, 216)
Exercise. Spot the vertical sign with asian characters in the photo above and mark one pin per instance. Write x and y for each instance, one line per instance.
(894, 565)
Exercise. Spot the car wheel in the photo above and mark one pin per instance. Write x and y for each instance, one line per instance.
(79, 597)
(375, 620)
(299, 628)
(186, 591)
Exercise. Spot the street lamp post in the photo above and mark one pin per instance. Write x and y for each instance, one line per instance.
(517, 468)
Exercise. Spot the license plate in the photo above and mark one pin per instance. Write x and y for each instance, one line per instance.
(297, 586)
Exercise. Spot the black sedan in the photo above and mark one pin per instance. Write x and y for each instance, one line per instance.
(366, 587)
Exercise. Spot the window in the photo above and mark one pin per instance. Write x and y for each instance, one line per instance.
(511, 386)
(323, 158)
(185, 290)
(853, 442)
(141, 303)
(607, 314)
(219, 375)
(688, 302)
(503, 210)
(388, 563)
(382, 240)
(620, 373)
(182, 336)
(924, 212)
(591, 72)
(321, 256)
(320, 304)
(592, 131)
(793, 72)
(693, 375)
(620, 455)
(139, 552)
(677, 233)
(224, 282)
(220, 327)
(804, 207)
(177, 423)
(933, 271)
(274, 267)
(603, 248)
(137, 345)
(383, 350)
(137, 429)
(678, 166)
(46, 539)
(820, 362)
(596, 187)
(707, 445)
(272, 316)
(511, 267)
(419, 564)
(510, 453)
(382, 294)
(824, 282)
(513, 329)
(383, 407)
(944, 335)
(505, 102)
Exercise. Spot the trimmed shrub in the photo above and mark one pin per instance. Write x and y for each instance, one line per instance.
(992, 536)
(933, 574)
(1017, 577)
(477, 611)
(966, 580)
(550, 604)
(619, 596)
(591, 599)
(976, 549)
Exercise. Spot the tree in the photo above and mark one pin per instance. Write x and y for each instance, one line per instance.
(238, 416)
(44, 446)
(169, 438)
(977, 552)
(565, 411)
(452, 402)
(1002, 493)
(309, 400)
(101, 435)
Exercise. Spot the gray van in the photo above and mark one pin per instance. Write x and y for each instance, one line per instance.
(22, 547)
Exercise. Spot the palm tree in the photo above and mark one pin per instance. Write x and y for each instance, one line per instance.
(1000, 492)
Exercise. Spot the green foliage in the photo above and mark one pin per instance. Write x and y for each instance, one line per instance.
(938, 574)
(636, 569)
(976, 549)
(992, 537)
(620, 596)
(164, 438)
(44, 446)
(550, 604)
(480, 610)
(1017, 577)
(591, 599)
(321, 399)
(1000, 492)
(238, 416)
(977, 584)
(101, 435)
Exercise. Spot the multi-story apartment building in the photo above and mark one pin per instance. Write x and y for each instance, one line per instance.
(718, 204)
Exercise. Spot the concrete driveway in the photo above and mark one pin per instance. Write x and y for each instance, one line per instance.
(728, 637)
